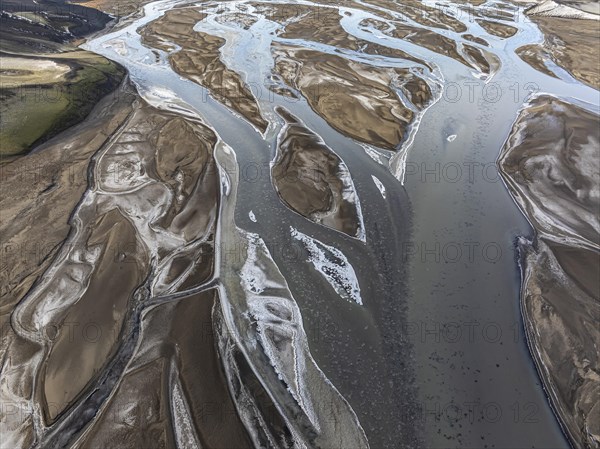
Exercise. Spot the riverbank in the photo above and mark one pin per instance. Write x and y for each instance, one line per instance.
(551, 167)
(568, 26)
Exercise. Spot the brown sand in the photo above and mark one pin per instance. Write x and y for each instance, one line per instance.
(184, 162)
(178, 352)
(535, 55)
(472, 2)
(561, 307)
(43, 187)
(323, 25)
(430, 40)
(138, 414)
(571, 44)
(177, 155)
(550, 163)
(310, 179)
(137, 149)
(123, 262)
(415, 88)
(78, 354)
(497, 28)
(485, 61)
(476, 39)
(418, 12)
(346, 93)
(39, 191)
(199, 60)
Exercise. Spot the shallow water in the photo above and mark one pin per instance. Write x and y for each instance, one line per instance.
(429, 350)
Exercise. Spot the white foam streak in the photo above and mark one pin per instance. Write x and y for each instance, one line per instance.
(379, 185)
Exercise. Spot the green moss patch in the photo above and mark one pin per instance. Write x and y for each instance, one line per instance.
(32, 114)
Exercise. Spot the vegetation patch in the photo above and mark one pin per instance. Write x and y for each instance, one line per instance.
(35, 105)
